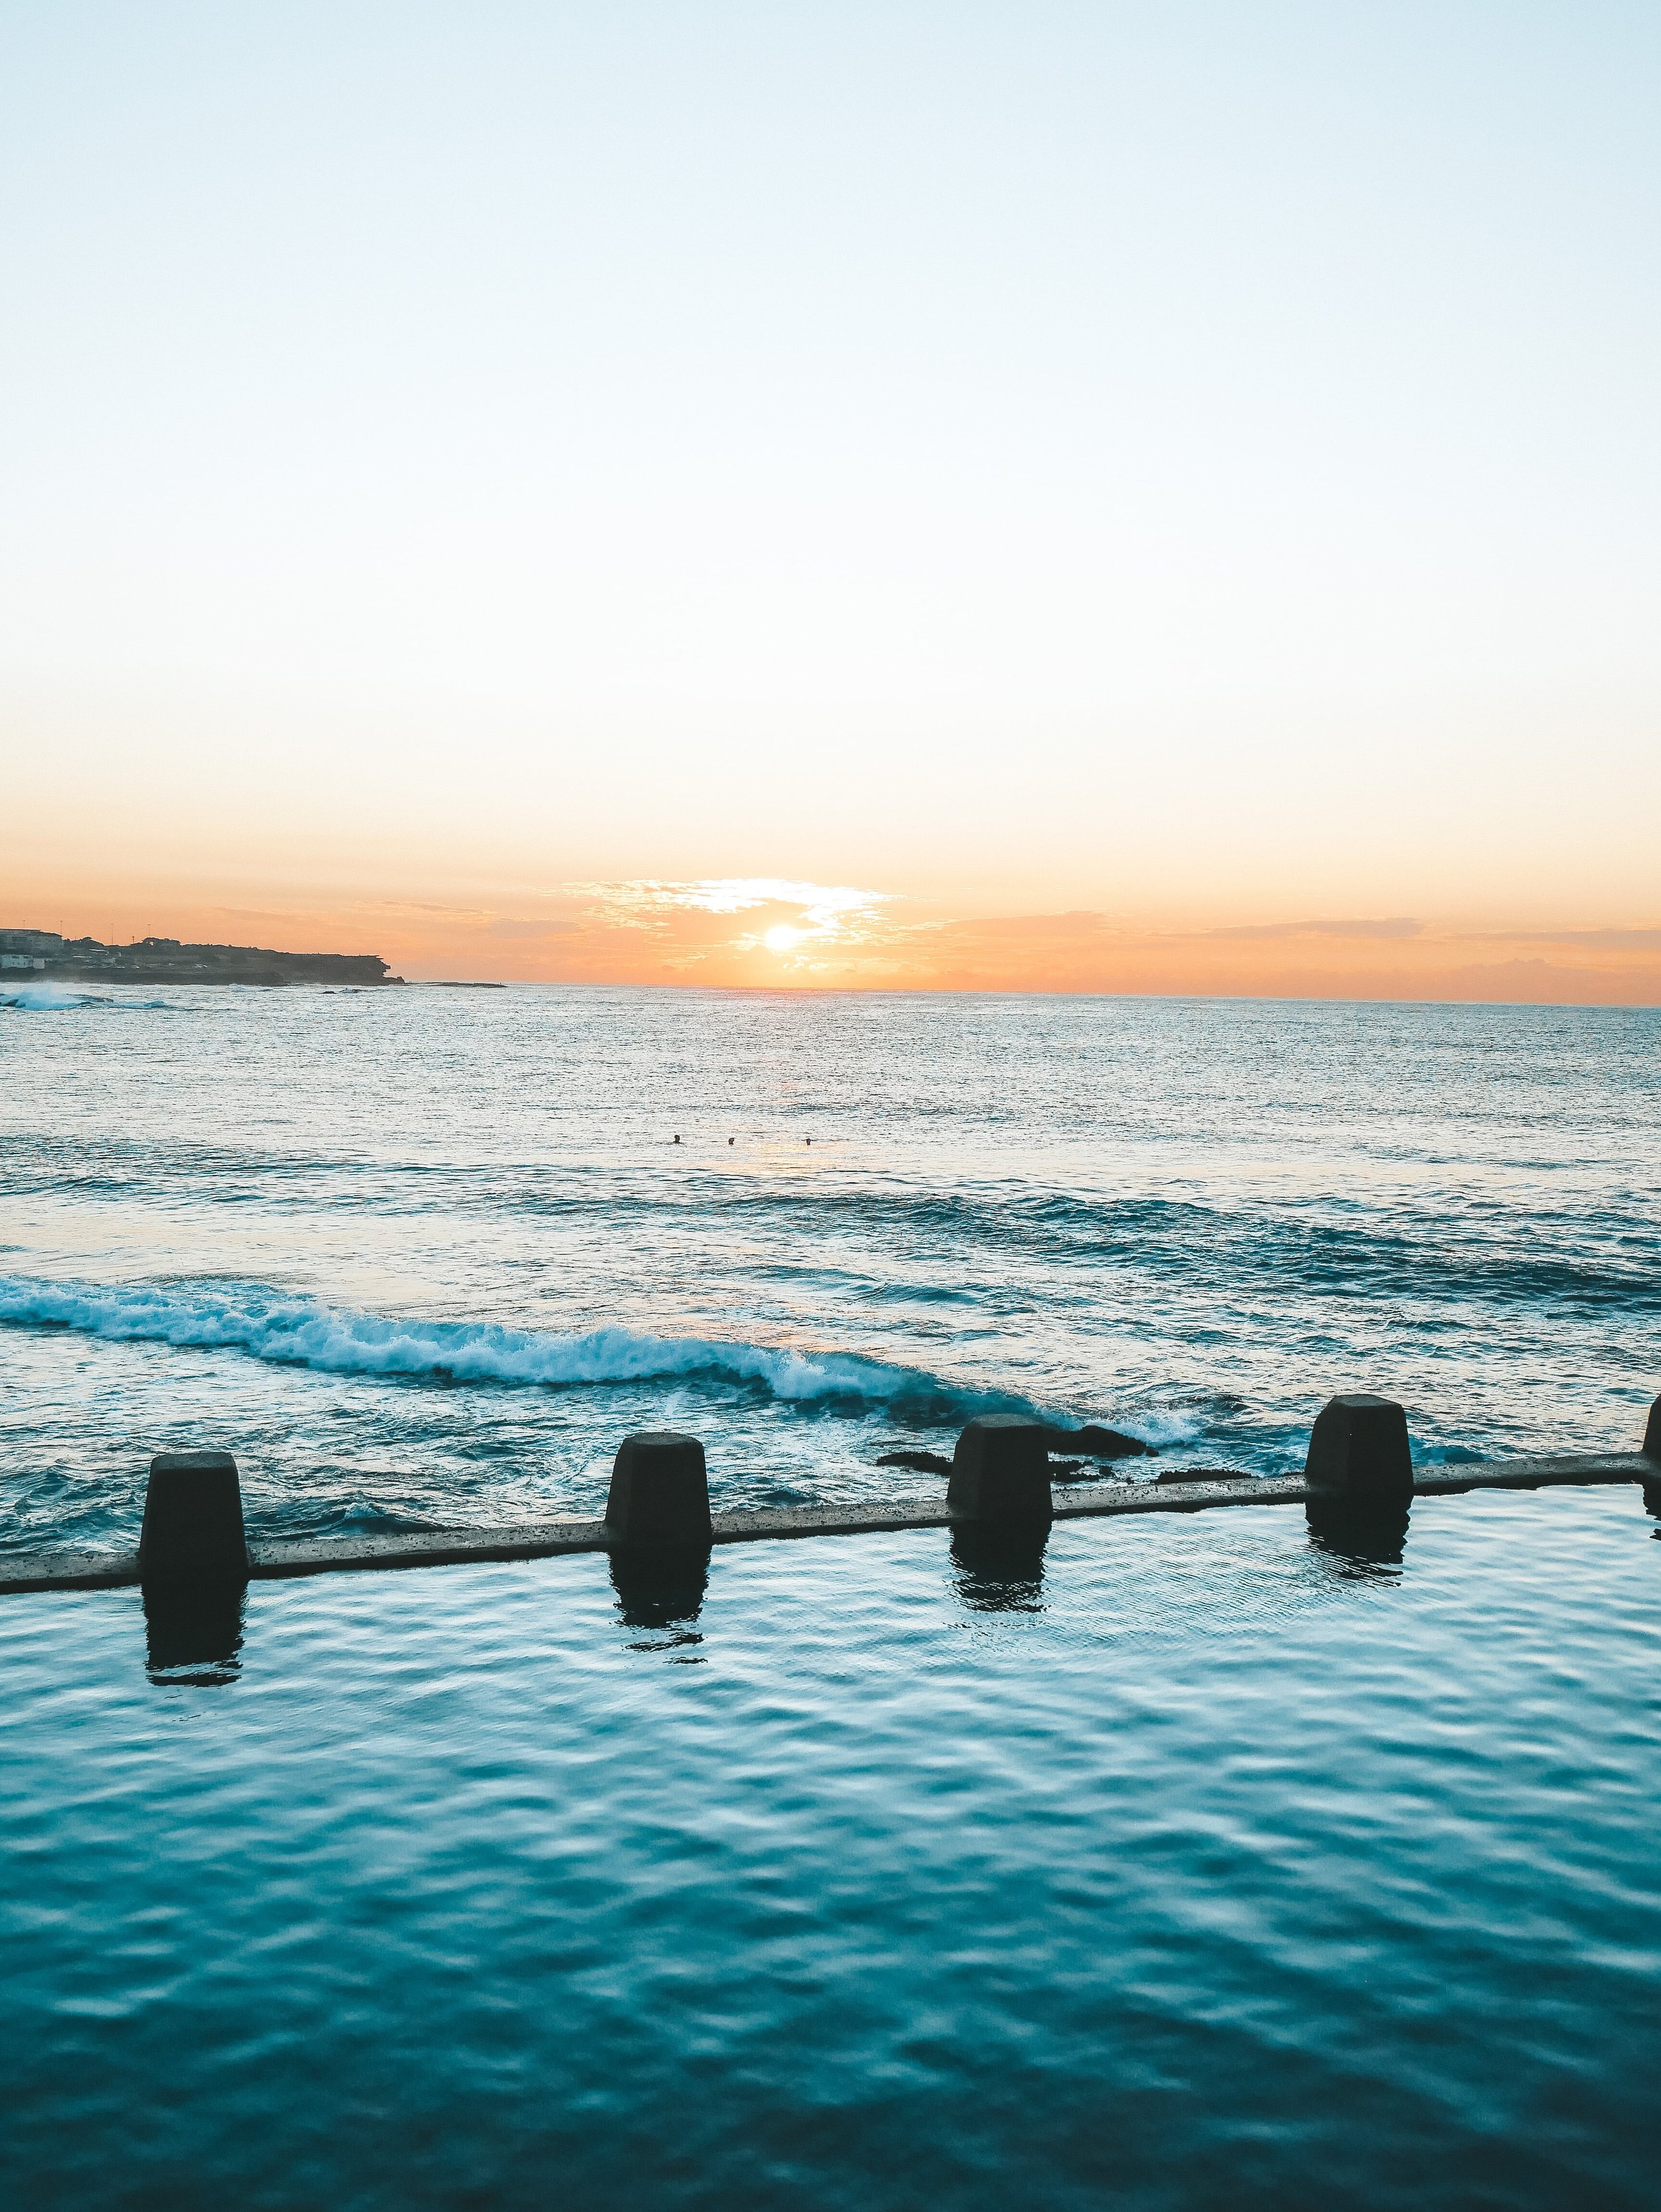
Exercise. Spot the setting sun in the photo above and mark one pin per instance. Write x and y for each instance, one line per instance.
(782, 939)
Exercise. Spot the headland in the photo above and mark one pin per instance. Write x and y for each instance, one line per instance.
(47, 954)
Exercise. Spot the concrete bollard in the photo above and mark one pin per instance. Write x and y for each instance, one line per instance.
(659, 1492)
(1000, 1472)
(1652, 1433)
(1358, 1454)
(193, 1519)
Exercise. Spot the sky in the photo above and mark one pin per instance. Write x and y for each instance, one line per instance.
(1042, 497)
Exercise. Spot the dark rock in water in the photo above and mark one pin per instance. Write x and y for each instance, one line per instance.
(1096, 1442)
(1205, 1474)
(1110, 1443)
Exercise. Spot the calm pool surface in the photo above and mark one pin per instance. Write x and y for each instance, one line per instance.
(1192, 1862)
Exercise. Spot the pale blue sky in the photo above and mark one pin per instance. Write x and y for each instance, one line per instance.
(921, 446)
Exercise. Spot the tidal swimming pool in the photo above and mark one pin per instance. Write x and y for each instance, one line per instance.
(1190, 1862)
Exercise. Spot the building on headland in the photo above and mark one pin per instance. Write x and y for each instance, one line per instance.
(165, 960)
(29, 949)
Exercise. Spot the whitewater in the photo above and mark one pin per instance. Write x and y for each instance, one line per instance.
(423, 1257)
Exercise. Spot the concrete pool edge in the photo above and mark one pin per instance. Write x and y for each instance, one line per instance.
(274, 1559)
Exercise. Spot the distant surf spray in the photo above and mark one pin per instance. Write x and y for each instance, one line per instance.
(43, 999)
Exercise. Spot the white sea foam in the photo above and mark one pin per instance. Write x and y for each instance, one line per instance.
(303, 1331)
(1164, 1426)
(43, 999)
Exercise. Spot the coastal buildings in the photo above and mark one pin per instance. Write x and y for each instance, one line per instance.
(29, 949)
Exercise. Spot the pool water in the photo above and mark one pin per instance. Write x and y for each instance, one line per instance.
(1191, 1861)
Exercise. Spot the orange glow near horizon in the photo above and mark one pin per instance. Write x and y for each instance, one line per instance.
(769, 933)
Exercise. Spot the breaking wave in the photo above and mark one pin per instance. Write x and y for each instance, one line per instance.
(59, 999)
(291, 1331)
(43, 999)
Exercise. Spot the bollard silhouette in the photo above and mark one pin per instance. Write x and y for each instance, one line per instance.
(1651, 1449)
(1359, 1455)
(193, 1560)
(192, 1527)
(1000, 1472)
(1360, 1471)
(659, 1492)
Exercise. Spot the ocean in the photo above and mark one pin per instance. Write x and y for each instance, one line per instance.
(1181, 1861)
(425, 1257)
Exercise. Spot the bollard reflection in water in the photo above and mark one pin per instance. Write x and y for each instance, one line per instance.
(1002, 1573)
(661, 1587)
(1363, 1538)
(193, 1631)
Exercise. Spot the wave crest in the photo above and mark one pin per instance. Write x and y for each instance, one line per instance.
(293, 1331)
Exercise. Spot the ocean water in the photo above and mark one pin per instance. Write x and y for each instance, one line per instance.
(425, 1257)
(1195, 1860)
